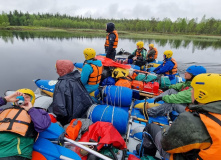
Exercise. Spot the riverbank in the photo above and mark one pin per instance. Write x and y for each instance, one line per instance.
(122, 34)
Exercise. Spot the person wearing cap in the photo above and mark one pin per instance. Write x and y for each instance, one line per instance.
(152, 53)
(111, 41)
(178, 96)
(20, 125)
(168, 67)
(70, 99)
(91, 71)
(195, 134)
(139, 55)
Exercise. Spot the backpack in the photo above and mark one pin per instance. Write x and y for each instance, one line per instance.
(120, 72)
(124, 82)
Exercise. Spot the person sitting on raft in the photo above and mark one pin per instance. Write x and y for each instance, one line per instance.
(139, 55)
(178, 96)
(194, 134)
(70, 99)
(20, 125)
(168, 67)
(151, 54)
(91, 71)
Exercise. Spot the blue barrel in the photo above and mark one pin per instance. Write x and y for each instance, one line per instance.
(106, 113)
(117, 96)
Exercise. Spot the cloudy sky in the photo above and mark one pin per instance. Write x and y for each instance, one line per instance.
(129, 9)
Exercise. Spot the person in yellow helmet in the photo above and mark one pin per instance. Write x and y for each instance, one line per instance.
(138, 56)
(91, 71)
(194, 134)
(20, 125)
(152, 53)
(169, 66)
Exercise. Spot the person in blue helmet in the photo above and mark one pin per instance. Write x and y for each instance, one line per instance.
(178, 96)
(111, 41)
(91, 71)
(168, 67)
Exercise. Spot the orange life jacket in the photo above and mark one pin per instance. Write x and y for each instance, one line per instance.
(115, 41)
(174, 69)
(155, 55)
(138, 52)
(17, 120)
(95, 76)
(212, 121)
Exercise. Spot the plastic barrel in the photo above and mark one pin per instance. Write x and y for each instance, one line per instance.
(106, 113)
(117, 96)
(140, 103)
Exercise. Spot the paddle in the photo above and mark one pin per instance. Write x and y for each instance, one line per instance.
(50, 151)
(54, 131)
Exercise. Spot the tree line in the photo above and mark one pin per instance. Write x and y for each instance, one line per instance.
(209, 26)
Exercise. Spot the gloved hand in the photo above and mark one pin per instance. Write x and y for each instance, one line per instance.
(157, 99)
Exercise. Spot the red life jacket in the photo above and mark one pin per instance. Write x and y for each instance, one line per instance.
(115, 41)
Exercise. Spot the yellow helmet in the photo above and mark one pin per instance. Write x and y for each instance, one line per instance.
(151, 45)
(89, 53)
(168, 53)
(140, 44)
(29, 92)
(207, 87)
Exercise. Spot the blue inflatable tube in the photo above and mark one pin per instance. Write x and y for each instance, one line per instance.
(106, 113)
(117, 96)
(46, 86)
(78, 65)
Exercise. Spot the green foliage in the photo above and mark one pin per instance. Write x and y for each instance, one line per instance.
(181, 25)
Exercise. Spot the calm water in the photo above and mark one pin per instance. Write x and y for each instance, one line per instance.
(24, 59)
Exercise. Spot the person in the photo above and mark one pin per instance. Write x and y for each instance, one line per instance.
(20, 126)
(178, 96)
(152, 53)
(70, 99)
(139, 55)
(91, 71)
(111, 41)
(168, 67)
(195, 134)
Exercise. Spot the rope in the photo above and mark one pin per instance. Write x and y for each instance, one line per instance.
(103, 112)
(90, 111)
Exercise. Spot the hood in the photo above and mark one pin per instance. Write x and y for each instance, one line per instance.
(214, 107)
(64, 67)
(110, 27)
(73, 75)
(95, 62)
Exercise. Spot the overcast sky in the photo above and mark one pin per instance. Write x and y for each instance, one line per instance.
(129, 9)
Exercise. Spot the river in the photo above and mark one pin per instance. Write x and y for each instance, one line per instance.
(24, 59)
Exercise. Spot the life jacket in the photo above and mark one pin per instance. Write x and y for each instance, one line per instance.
(155, 54)
(174, 69)
(95, 76)
(115, 41)
(138, 52)
(17, 120)
(212, 121)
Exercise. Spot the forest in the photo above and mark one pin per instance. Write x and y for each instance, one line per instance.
(195, 26)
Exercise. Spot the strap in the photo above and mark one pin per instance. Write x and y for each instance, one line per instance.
(213, 118)
(199, 157)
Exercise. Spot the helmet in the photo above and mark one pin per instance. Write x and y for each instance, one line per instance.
(110, 27)
(195, 70)
(140, 44)
(29, 92)
(151, 45)
(168, 53)
(89, 53)
(207, 87)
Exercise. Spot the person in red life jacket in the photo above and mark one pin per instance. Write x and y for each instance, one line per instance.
(168, 67)
(91, 71)
(111, 41)
(20, 125)
(178, 96)
(151, 54)
(194, 134)
(70, 99)
(138, 56)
